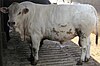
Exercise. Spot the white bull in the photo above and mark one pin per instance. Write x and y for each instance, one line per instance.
(55, 22)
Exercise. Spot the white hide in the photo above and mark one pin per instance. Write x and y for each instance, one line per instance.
(58, 23)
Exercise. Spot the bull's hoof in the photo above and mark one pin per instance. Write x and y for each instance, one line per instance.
(79, 62)
(86, 59)
(32, 60)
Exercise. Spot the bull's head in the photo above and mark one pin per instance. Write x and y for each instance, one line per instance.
(16, 13)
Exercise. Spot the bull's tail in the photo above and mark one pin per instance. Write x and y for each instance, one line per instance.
(96, 26)
(97, 31)
(97, 20)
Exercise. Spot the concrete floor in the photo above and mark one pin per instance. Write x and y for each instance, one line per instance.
(50, 54)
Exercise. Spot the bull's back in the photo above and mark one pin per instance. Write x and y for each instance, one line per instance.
(80, 16)
(70, 17)
(66, 18)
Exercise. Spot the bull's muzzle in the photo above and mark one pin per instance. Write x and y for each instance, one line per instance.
(11, 23)
(11, 26)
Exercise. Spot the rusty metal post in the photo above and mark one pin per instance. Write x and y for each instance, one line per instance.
(1, 49)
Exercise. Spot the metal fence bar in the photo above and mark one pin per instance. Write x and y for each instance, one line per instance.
(4, 37)
(1, 48)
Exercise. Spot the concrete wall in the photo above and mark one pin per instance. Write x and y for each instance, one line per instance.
(95, 3)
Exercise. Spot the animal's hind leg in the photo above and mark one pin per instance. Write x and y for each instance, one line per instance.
(41, 42)
(83, 41)
(87, 57)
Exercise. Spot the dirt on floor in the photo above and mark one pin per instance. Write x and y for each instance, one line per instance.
(95, 49)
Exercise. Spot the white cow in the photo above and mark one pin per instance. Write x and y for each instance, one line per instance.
(55, 22)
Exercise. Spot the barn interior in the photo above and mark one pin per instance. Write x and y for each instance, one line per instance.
(14, 52)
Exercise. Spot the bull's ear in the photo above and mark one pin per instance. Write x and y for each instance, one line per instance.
(25, 10)
(4, 9)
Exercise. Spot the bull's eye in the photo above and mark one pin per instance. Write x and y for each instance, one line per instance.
(19, 13)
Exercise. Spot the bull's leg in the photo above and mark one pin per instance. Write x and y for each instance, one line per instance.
(79, 42)
(35, 48)
(41, 42)
(31, 56)
(88, 50)
(83, 41)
